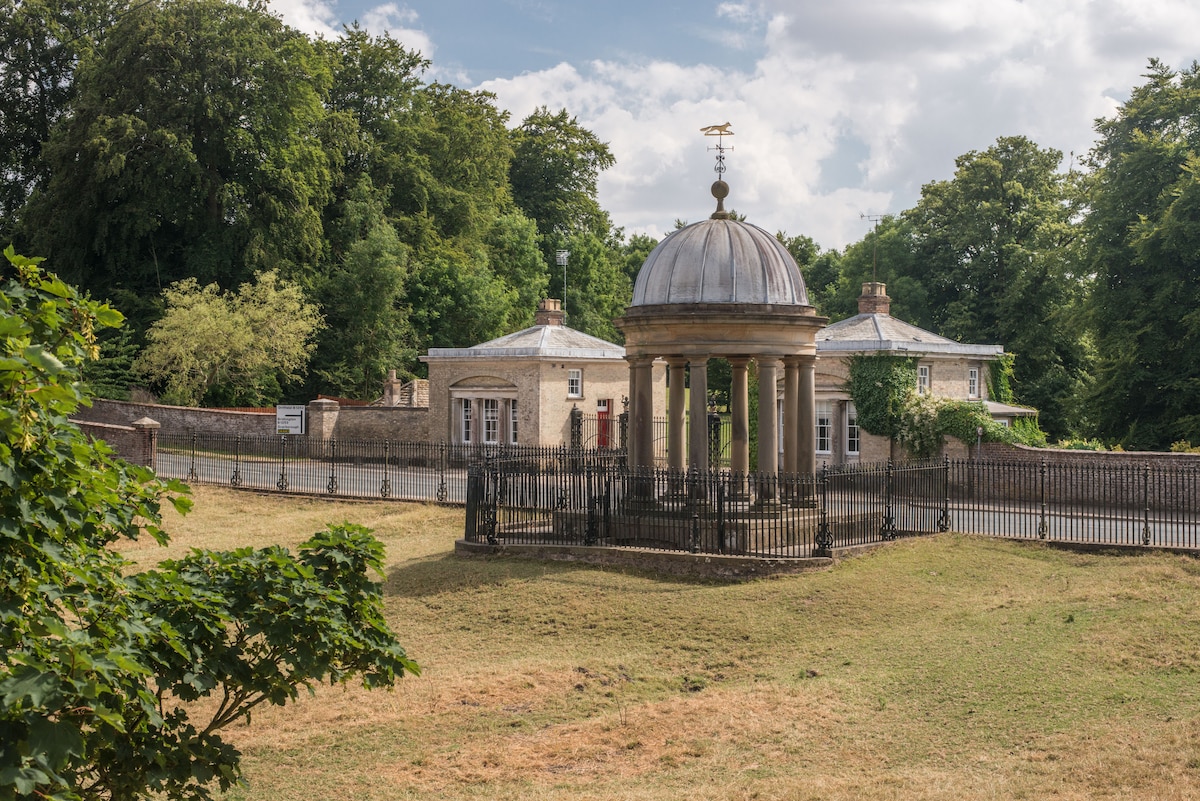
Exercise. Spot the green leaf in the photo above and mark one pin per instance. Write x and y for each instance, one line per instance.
(38, 356)
(30, 687)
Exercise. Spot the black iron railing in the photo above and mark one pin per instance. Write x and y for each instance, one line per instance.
(589, 496)
(839, 507)
(424, 471)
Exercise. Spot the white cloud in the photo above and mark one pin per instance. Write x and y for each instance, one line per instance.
(850, 106)
(314, 17)
(400, 22)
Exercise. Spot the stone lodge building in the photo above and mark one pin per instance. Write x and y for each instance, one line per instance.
(520, 389)
(945, 368)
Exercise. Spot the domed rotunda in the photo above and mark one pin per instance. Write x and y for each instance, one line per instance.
(721, 288)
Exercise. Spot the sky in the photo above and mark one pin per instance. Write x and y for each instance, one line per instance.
(841, 110)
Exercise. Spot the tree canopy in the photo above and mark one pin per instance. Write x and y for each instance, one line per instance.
(235, 349)
(1143, 246)
(998, 248)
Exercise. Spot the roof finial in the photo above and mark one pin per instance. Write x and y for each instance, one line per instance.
(720, 189)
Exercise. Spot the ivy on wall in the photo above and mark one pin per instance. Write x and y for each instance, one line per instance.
(1000, 376)
(882, 387)
(884, 390)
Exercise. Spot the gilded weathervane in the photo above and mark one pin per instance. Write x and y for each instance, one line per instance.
(720, 189)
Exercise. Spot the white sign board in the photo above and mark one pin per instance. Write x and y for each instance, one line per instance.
(289, 419)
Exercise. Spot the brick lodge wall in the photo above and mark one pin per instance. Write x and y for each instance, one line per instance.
(134, 445)
(331, 421)
(179, 419)
(382, 422)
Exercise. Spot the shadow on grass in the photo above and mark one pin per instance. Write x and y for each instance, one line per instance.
(449, 573)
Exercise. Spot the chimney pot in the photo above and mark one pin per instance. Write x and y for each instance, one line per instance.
(874, 299)
(549, 312)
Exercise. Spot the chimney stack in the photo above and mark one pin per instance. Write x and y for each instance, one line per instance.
(549, 312)
(874, 299)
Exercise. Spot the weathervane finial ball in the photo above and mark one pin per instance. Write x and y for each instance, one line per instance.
(720, 190)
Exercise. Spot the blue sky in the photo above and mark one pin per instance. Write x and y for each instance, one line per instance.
(839, 109)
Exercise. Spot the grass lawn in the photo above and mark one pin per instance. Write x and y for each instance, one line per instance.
(942, 668)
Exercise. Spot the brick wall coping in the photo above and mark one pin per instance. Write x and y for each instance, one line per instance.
(1025, 453)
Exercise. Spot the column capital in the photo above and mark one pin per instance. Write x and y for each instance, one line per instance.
(768, 361)
(638, 360)
(738, 361)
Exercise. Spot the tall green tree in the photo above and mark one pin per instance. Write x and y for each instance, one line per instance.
(999, 247)
(634, 253)
(887, 253)
(512, 249)
(598, 290)
(556, 165)
(456, 300)
(362, 296)
(1143, 245)
(41, 42)
(192, 151)
(98, 664)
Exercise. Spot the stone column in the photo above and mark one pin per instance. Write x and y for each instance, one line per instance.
(739, 408)
(676, 411)
(768, 424)
(698, 411)
(641, 413)
(322, 418)
(837, 436)
(147, 429)
(791, 415)
(807, 462)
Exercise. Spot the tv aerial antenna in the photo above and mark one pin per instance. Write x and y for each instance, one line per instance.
(874, 219)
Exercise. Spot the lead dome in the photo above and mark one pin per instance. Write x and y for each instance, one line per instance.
(720, 260)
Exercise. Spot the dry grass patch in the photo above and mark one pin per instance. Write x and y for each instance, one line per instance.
(941, 668)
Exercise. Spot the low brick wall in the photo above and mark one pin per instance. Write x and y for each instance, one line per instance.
(396, 423)
(179, 419)
(331, 421)
(1158, 481)
(1000, 452)
(134, 445)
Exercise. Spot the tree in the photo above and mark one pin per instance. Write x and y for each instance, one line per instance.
(821, 271)
(40, 45)
(512, 246)
(1143, 225)
(193, 150)
(233, 349)
(555, 167)
(598, 291)
(367, 330)
(997, 243)
(98, 666)
(888, 253)
(456, 300)
(634, 253)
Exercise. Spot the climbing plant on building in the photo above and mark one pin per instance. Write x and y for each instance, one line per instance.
(881, 386)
